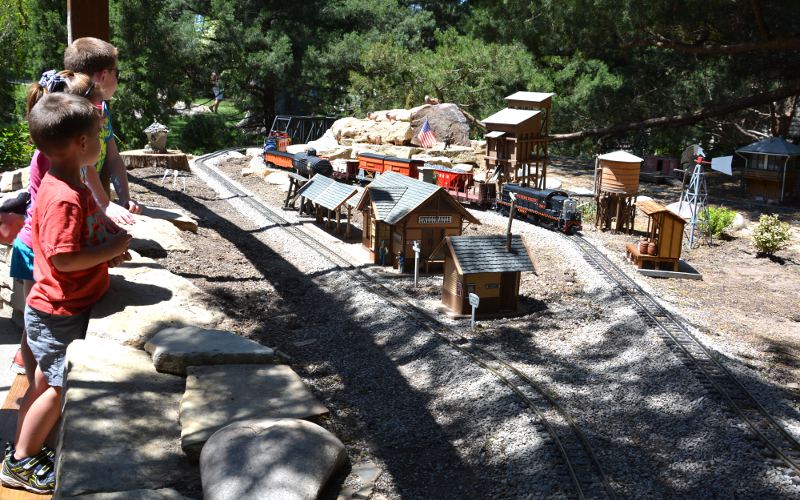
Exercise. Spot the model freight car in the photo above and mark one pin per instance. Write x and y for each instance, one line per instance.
(306, 164)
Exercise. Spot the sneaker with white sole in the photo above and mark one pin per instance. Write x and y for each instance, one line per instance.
(35, 474)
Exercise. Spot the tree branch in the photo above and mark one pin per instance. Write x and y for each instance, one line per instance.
(778, 44)
(686, 118)
(762, 26)
(753, 134)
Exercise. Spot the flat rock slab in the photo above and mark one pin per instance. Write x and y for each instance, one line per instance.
(155, 237)
(160, 494)
(144, 298)
(217, 396)
(173, 349)
(283, 459)
(120, 423)
(172, 215)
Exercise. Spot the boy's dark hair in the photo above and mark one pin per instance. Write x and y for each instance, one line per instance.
(58, 118)
(90, 55)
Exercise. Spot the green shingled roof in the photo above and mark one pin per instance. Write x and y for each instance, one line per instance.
(394, 196)
(326, 192)
(487, 254)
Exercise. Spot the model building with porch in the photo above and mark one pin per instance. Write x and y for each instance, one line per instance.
(489, 266)
(398, 210)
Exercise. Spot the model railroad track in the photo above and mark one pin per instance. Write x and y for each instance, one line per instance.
(700, 360)
(580, 465)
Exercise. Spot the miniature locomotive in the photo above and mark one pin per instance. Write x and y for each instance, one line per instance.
(306, 164)
(546, 207)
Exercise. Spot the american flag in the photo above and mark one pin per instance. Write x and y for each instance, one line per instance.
(425, 136)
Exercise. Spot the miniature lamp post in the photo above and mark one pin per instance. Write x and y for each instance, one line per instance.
(156, 138)
(415, 247)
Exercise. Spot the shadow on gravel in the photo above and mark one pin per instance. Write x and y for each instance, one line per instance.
(369, 393)
(659, 428)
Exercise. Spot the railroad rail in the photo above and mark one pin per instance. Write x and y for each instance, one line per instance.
(580, 462)
(700, 360)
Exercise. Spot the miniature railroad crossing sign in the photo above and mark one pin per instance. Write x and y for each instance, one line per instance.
(474, 301)
(415, 247)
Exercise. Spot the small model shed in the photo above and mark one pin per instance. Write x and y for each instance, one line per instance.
(486, 266)
(665, 230)
(329, 198)
(771, 169)
(398, 210)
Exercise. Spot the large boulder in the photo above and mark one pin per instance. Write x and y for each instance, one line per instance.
(447, 122)
(280, 459)
(383, 149)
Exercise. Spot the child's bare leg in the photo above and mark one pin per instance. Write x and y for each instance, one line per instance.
(34, 391)
(28, 361)
(38, 421)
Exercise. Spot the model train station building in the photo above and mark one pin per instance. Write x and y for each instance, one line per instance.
(398, 210)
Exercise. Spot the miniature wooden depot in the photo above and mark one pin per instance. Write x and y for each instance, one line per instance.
(665, 238)
(398, 210)
(517, 137)
(486, 266)
(328, 197)
(771, 170)
(616, 185)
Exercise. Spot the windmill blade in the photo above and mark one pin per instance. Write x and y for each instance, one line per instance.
(722, 164)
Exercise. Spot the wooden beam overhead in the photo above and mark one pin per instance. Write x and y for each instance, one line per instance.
(87, 18)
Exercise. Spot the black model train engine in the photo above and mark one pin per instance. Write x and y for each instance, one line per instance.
(308, 164)
(546, 207)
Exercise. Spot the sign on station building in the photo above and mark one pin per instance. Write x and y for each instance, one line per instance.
(398, 210)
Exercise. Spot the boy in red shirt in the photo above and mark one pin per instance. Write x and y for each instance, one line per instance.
(74, 244)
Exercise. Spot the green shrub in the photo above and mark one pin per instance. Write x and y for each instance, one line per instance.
(720, 218)
(15, 146)
(770, 234)
(588, 211)
(207, 132)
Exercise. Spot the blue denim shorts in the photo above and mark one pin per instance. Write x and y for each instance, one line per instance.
(21, 266)
(49, 335)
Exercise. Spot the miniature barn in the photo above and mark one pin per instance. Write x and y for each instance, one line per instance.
(329, 197)
(486, 266)
(398, 210)
(771, 170)
(665, 230)
(616, 185)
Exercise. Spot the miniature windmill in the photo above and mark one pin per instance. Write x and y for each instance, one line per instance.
(696, 195)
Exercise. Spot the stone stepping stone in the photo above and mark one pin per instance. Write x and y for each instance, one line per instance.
(175, 216)
(173, 349)
(281, 459)
(217, 396)
(144, 298)
(120, 423)
(160, 494)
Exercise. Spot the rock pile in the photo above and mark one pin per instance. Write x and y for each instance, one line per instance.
(394, 133)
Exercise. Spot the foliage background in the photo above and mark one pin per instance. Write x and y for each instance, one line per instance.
(609, 62)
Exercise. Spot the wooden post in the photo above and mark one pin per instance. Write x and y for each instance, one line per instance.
(347, 231)
(87, 18)
(338, 217)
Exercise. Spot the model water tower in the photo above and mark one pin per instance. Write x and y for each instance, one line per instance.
(516, 139)
(616, 185)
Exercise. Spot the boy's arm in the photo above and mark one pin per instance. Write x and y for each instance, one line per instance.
(89, 257)
(119, 176)
(112, 210)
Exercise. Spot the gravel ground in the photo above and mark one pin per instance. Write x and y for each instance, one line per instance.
(438, 425)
